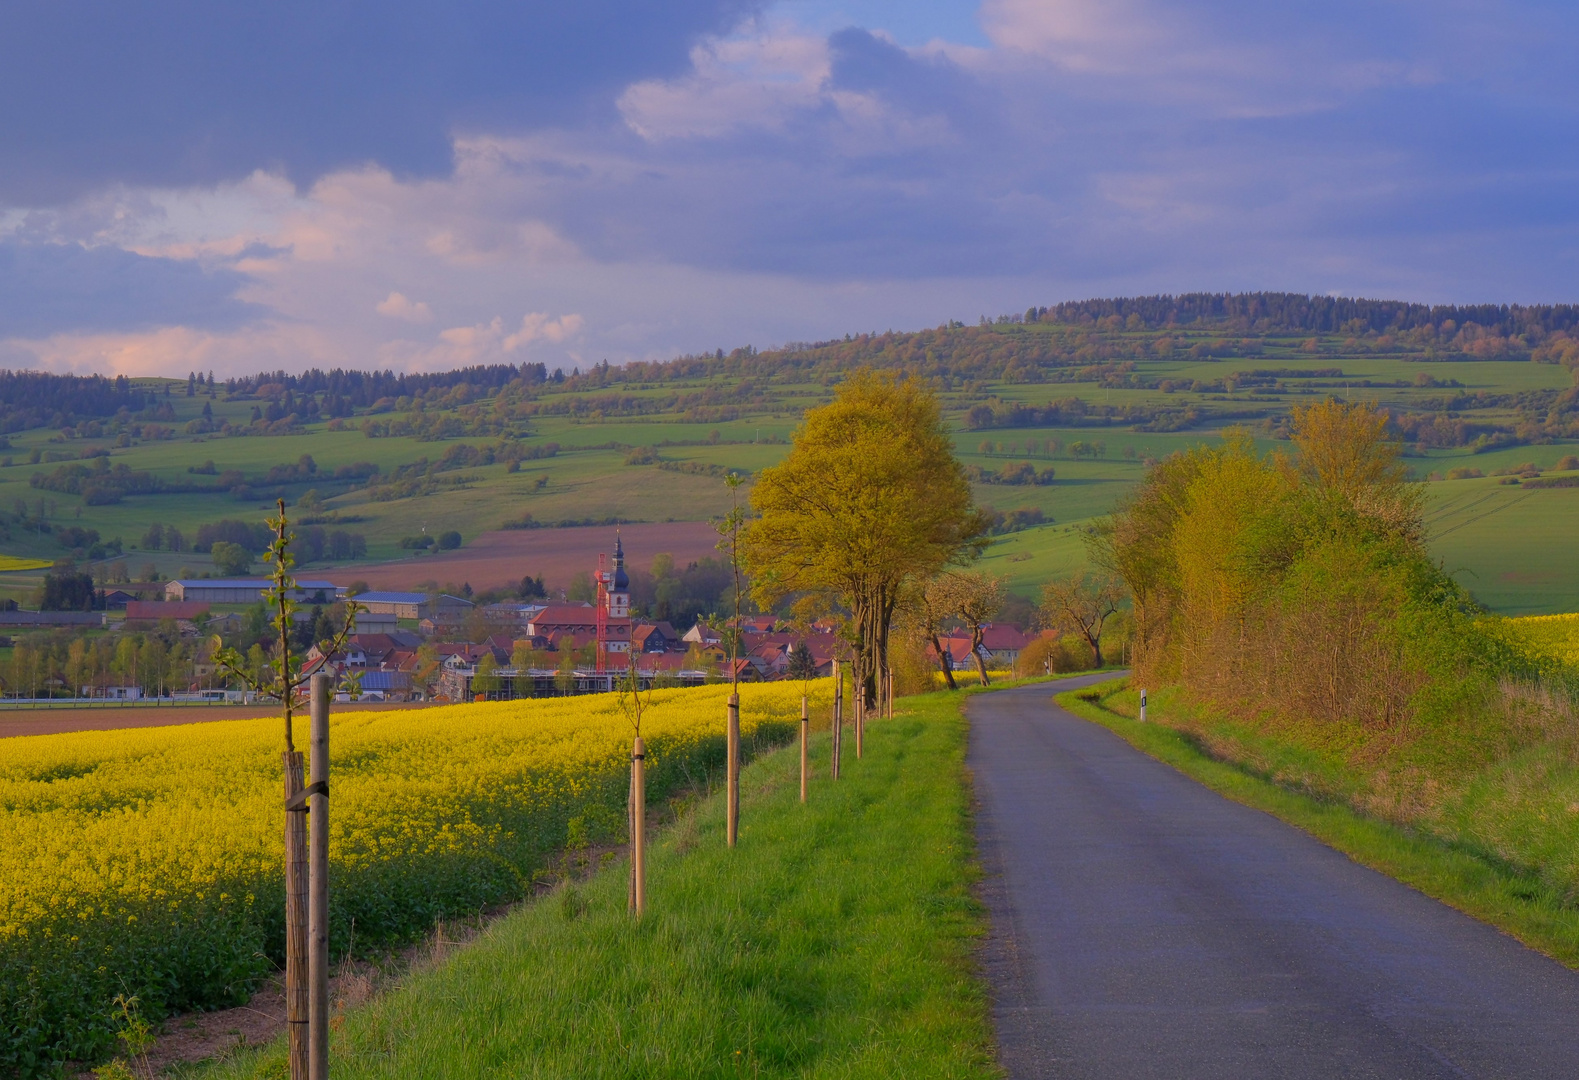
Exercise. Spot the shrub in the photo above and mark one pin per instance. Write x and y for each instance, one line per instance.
(1464, 472)
(449, 541)
(1300, 590)
(231, 560)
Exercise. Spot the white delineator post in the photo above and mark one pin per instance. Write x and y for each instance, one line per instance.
(1143, 706)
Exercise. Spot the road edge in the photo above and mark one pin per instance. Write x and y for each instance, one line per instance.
(1519, 905)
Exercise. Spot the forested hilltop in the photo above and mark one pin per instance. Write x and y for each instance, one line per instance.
(1044, 344)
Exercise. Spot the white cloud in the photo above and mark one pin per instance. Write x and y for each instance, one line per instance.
(397, 306)
(1207, 54)
(758, 79)
(789, 186)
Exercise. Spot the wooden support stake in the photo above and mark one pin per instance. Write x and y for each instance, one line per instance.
(805, 730)
(318, 886)
(639, 826)
(838, 715)
(890, 683)
(734, 769)
(860, 719)
(630, 834)
(295, 920)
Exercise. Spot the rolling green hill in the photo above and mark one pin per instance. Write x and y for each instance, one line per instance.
(1090, 391)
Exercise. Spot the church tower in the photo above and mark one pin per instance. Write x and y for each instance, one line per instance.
(619, 584)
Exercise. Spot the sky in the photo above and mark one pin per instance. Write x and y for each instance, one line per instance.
(238, 188)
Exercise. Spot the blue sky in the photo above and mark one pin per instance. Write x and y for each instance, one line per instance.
(419, 185)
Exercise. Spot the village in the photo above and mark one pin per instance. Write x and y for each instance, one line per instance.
(430, 646)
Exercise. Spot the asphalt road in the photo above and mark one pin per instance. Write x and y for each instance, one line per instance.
(1143, 926)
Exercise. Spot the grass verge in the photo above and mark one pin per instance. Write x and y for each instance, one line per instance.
(1516, 902)
(836, 940)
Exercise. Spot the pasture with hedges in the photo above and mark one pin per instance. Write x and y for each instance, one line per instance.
(1072, 390)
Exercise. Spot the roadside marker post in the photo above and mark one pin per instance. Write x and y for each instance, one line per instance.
(1143, 706)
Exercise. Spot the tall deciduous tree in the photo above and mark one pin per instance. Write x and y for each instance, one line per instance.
(869, 497)
(1082, 605)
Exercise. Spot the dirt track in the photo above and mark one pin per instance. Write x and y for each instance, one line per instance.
(14, 722)
(505, 557)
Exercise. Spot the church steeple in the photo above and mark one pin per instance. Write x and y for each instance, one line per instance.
(620, 583)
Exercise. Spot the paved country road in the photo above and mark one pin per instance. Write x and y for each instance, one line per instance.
(1143, 926)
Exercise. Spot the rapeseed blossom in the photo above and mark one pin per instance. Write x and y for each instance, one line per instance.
(149, 861)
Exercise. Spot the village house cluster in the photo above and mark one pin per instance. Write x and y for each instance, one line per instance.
(423, 646)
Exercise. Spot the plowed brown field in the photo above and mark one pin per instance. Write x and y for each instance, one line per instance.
(505, 557)
(53, 721)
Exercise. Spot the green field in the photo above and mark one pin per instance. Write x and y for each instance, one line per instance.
(836, 941)
(1143, 395)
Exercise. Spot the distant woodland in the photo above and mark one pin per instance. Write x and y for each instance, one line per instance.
(1101, 342)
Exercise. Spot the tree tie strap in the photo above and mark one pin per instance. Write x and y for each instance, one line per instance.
(297, 803)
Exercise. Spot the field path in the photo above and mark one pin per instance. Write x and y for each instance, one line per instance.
(1144, 926)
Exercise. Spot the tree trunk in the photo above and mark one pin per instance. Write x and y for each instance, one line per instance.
(944, 662)
(975, 650)
(1095, 641)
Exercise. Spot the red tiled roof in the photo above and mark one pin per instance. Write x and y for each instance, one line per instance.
(994, 638)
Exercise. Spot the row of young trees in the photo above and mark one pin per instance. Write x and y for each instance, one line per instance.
(157, 661)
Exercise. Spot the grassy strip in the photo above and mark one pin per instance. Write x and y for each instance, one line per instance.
(1517, 903)
(836, 940)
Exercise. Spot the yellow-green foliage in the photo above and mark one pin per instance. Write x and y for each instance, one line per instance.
(148, 861)
(1554, 636)
(1296, 587)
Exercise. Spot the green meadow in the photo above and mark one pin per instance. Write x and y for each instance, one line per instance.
(1505, 542)
(836, 940)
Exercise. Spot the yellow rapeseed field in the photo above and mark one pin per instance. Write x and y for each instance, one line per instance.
(9, 563)
(149, 860)
(1556, 636)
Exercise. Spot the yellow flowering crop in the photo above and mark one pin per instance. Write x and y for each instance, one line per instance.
(148, 861)
(1554, 636)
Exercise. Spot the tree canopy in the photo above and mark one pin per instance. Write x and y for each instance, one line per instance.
(869, 497)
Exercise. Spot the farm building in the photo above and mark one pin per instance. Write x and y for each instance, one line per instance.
(152, 610)
(414, 605)
(30, 619)
(243, 590)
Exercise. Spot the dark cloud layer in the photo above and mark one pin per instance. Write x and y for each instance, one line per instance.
(53, 288)
(179, 92)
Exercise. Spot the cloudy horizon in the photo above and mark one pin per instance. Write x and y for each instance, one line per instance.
(420, 188)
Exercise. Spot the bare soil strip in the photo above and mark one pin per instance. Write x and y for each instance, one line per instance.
(54, 721)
